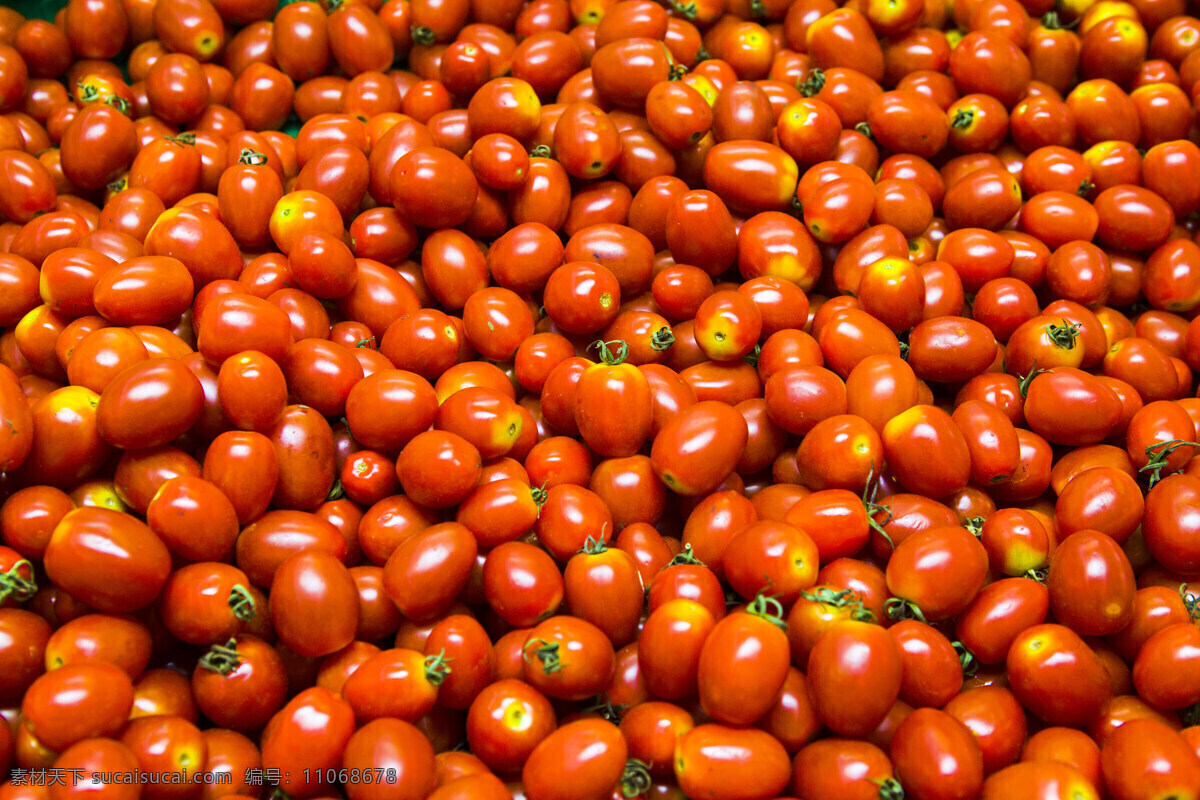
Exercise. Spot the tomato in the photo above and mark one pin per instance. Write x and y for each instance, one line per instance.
(935, 756)
(515, 564)
(16, 442)
(856, 660)
(1054, 673)
(834, 768)
(752, 640)
(190, 26)
(999, 613)
(1066, 746)
(567, 658)
(582, 297)
(950, 349)
(244, 467)
(97, 146)
(910, 440)
(393, 748)
(917, 573)
(700, 232)
(1092, 565)
(1067, 406)
(77, 702)
(303, 583)
(426, 571)
(726, 762)
(1043, 779)
(303, 481)
(996, 719)
(97, 761)
(92, 542)
(773, 556)
(931, 674)
(1016, 541)
(291, 741)
(670, 646)
(462, 641)
(613, 404)
(398, 683)
(1166, 525)
(444, 185)
(589, 755)
(208, 603)
(1138, 743)
(712, 435)
(1165, 667)
(167, 743)
(29, 186)
(603, 587)
(651, 730)
(506, 722)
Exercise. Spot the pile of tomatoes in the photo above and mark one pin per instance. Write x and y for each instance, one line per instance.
(600, 399)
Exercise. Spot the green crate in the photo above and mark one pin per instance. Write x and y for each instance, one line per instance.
(37, 9)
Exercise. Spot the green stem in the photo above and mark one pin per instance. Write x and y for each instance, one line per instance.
(812, 83)
(685, 10)
(547, 653)
(843, 598)
(635, 779)
(1064, 335)
(241, 602)
(14, 586)
(222, 659)
(252, 157)
(437, 667)
(604, 707)
(662, 339)
(870, 490)
(767, 608)
(970, 664)
(685, 556)
(423, 35)
(1159, 454)
(1190, 601)
(889, 788)
(607, 354)
(897, 609)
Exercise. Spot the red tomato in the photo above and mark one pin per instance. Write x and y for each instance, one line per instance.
(919, 438)
(77, 702)
(698, 448)
(939, 570)
(603, 587)
(1091, 565)
(936, 756)
(426, 572)
(314, 607)
(1166, 665)
(1055, 674)
(725, 762)
(750, 640)
(588, 755)
(306, 753)
(506, 721)
(854, 675)
(107, 559)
